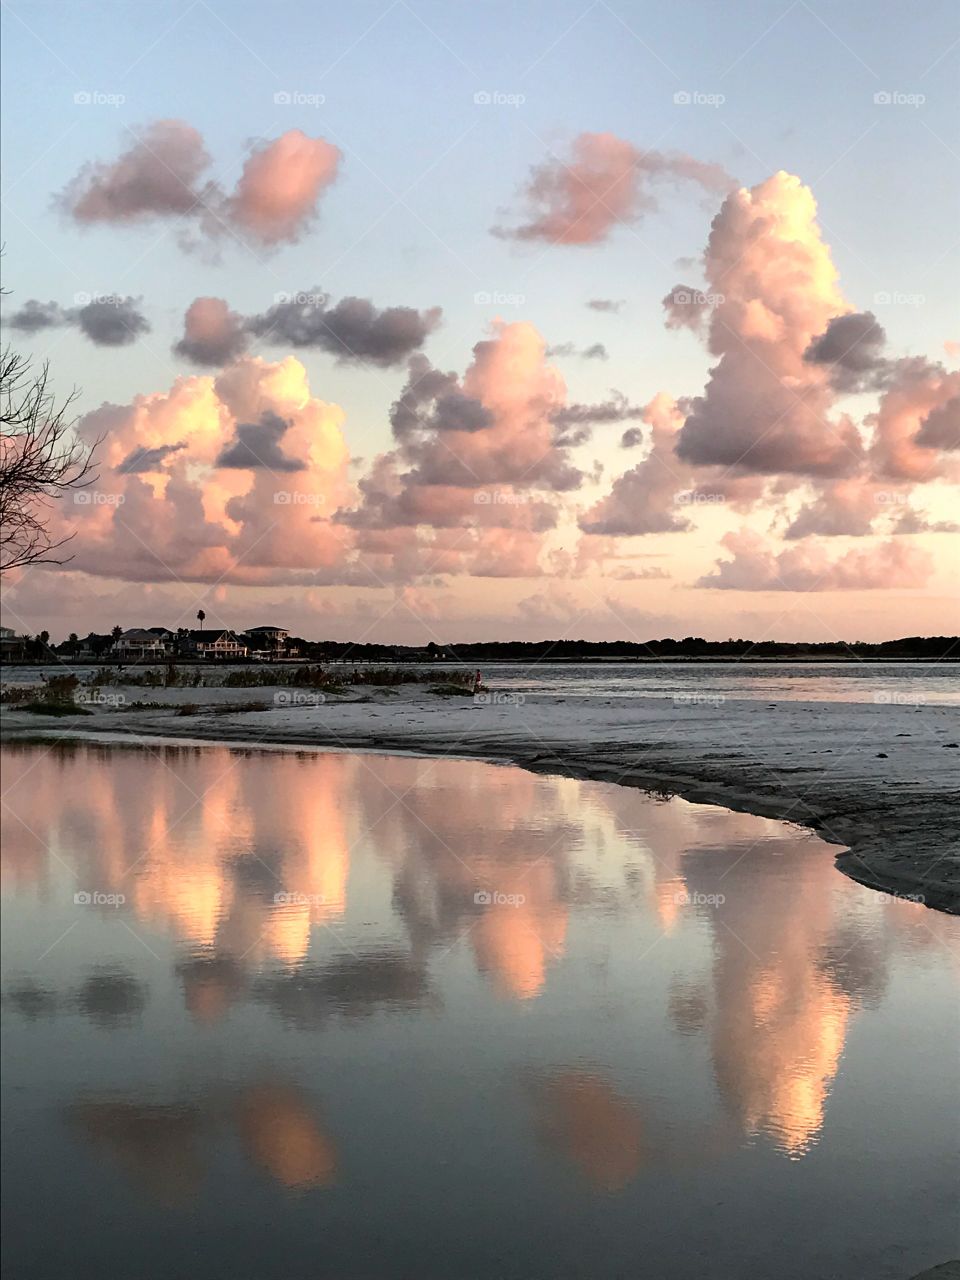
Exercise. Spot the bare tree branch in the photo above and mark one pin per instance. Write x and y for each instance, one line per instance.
(41, 460)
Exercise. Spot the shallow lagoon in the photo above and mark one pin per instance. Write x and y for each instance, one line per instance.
(282, 1014)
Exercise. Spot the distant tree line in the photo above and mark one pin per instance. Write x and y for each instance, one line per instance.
(929, 648)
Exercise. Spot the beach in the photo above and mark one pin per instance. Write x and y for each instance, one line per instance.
(877, 779)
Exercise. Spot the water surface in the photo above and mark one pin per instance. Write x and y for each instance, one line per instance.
(289, 1014)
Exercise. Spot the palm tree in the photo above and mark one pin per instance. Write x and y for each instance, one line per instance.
(201, 617)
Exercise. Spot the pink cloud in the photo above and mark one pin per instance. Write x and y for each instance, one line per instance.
(606, 181)
(160, 175)
(278, 192)
(757, 566)
(774, 287)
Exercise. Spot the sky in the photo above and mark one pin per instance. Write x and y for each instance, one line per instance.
(418, 321)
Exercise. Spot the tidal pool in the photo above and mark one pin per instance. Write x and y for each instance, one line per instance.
(277, 1014)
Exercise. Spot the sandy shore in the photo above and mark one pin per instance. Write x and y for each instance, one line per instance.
(878, 780)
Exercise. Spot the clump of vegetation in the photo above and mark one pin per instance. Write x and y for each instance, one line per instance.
(452, 691)
(57, 697)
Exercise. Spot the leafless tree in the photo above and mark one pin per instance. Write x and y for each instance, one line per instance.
(41, 460)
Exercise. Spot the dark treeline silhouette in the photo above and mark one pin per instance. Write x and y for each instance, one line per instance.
(926, 648)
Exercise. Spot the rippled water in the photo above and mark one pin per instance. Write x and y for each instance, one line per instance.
(884, 683)
(278, 1014)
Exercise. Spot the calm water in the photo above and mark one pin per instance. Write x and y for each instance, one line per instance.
(291, 1015)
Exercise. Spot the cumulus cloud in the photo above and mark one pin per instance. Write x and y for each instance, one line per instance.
(660, 493)
(471, 484)
(160, 175)
(352, 329)
(108, 321)
(282, 181)
(213, 335)
(765, 408)
(916, 422)
(756, 566)
(605, 181)
(234, 478)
